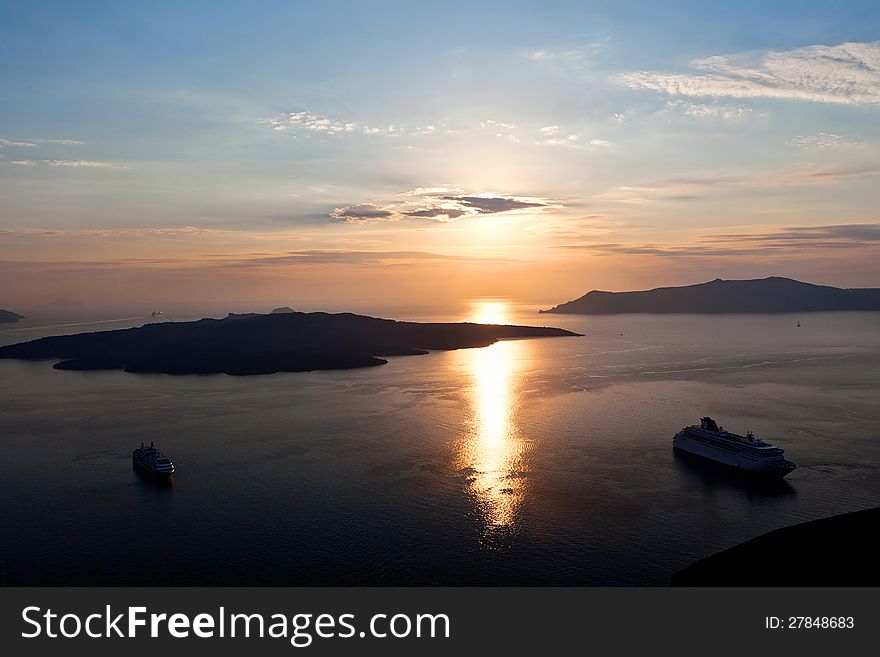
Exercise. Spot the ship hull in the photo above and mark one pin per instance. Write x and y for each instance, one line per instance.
(762, 467)
(145, 469)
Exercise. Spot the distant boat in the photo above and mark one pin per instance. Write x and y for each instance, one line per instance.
(151, 461)
(741, 452)
(798, 324)
(156, 313)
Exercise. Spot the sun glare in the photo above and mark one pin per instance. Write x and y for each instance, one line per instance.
(489, 312)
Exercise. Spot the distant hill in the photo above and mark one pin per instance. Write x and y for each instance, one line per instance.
(282, 310)
(7, 316)
(263, 344)
(764, 295)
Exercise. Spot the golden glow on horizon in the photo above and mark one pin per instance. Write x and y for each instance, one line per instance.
(492, 451)
(488, 312)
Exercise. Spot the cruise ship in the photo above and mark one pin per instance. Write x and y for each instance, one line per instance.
(151, 461)
(742, 452)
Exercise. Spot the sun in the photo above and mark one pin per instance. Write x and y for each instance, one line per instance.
(484, 311)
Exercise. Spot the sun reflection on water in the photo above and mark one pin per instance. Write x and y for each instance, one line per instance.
(492, 452)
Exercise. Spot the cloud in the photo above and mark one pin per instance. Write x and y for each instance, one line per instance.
(75, 233)
(62, 142)
(781, 241)
(318, 123)
(353, 257)
(667, 250)
(492, 204)
(35, 143)
(688, 188)
(552, 136)
(573, 56)
(432, 191)
(307, 122)
(437, 204)
(71, 164)
(819, 141)
(848, 73)
(704, 111)
(361, 213)
(238, 261)
(9, 143)
(85, 164)
(854, 234)
(436, 213)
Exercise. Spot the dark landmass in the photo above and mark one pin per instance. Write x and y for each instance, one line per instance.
(282, 309)
(7, 316)
(764, 295)
(837, 551)
(263, 344)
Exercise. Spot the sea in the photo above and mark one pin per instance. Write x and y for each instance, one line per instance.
(530, 462)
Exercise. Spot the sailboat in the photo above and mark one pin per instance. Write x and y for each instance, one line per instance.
(798, 324)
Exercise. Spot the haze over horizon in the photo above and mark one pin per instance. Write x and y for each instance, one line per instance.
(354, 153)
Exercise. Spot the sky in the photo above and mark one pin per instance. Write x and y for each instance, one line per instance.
(350, 154)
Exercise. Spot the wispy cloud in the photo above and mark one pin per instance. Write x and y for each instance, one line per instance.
(71, 164)
(850, 234)
(848, 73)
(707, 111)
(573, 56)
(692, 188)
(821, 140)
(239, 261)
(35, 143)
(62, 142)
(85, 164)
(74, 233)
(11, 143)
(305, 123)
(779, 241)
(554, 135)
(556, 55)
(17, 144)
(308, 122)
(318, 123)
(344, 256)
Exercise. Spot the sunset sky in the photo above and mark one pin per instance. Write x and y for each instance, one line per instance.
(341, 154)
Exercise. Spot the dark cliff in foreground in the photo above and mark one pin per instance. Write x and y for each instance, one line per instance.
(7, 316)
(263, 344)
(837, 551)
(765, 295)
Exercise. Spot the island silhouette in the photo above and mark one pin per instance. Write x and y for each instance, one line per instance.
(264, 344)
(764, 295)
(836, 551)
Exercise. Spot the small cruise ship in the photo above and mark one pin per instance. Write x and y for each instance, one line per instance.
(742, 452)
(151, 461)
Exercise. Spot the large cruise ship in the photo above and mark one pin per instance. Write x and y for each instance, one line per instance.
(743, 452)
(151, 461)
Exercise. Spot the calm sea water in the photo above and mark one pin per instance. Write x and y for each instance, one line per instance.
(529, 462)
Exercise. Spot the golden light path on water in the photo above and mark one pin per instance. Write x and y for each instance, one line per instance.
(492, 451)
